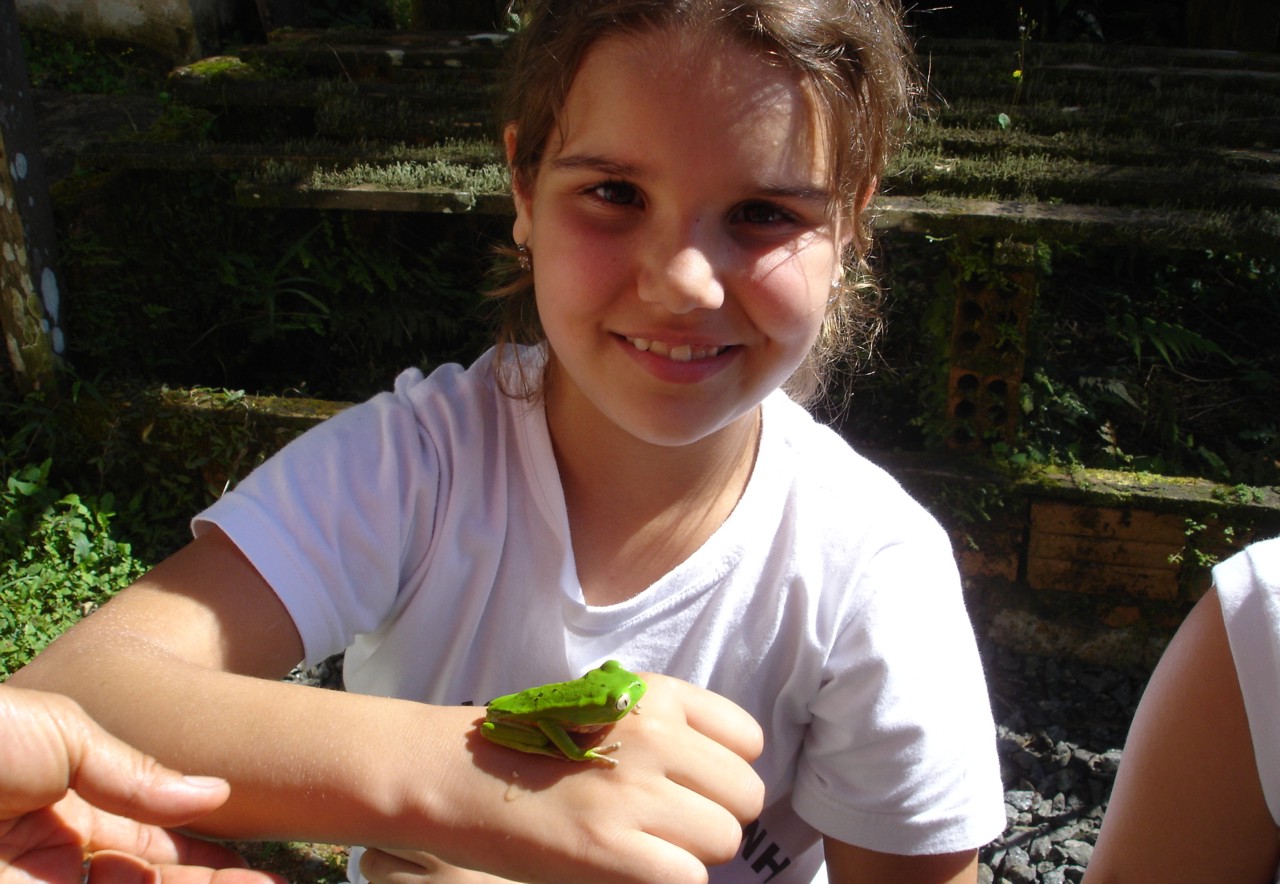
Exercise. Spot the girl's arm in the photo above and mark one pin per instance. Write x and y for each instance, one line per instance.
(1187, 803)
(847, 864)
(185, 665)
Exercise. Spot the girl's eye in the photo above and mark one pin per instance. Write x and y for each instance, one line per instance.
(764, 213)
(615, 192)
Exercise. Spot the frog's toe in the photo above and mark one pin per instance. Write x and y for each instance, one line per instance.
(598, 753)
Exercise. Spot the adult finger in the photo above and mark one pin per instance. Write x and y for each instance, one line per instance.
(111, 867)
(100, 831)
(118, 778)
(48, 745)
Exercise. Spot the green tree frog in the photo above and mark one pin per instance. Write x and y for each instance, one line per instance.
(540, 719)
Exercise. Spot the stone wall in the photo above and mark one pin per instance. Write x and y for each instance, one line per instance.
(182, 30)
(1092, 564)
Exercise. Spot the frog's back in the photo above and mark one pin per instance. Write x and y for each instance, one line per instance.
(603, 694)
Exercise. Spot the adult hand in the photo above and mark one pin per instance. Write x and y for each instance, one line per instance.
(674, 804)
(77, 802)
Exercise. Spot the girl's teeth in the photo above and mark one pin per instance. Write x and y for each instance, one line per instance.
(678, 353)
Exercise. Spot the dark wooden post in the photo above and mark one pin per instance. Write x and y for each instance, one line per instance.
(30, 286)
(1239, 25)
(450, 15)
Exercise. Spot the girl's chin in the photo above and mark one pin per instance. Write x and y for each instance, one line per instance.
(668, 425)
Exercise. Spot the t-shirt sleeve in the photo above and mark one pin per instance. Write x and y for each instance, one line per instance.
(327, 520)
(900, 755)
(1248, 587)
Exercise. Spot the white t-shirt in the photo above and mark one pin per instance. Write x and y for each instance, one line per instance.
(1248, 586)
(425, 531)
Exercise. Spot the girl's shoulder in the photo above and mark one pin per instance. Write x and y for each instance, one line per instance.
(830, 483)
(817, 454)
(454, 396)
(450, 383)
(452, 413)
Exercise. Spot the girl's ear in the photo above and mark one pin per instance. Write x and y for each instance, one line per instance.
(864, 198)
(521, 229)
(509, 141)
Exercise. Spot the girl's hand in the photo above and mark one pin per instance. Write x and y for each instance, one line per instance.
(675, 803)
(417, 867)
(75, 801)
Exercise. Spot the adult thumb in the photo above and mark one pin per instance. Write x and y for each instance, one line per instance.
(116, 777)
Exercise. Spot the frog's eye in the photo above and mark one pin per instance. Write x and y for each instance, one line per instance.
(623, 704)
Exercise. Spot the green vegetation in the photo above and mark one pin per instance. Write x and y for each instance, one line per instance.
(60, 561)
(55, 62)
(70, 541)
(95, 490)
(438, 174)
(180, 286)
(1135, 359)
(297, 861)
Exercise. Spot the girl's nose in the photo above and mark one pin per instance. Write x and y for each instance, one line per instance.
(683, 277)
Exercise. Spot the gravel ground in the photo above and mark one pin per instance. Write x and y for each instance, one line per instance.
(1060, 727)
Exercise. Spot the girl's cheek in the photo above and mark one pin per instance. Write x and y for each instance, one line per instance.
(589, 248)
(796, 283)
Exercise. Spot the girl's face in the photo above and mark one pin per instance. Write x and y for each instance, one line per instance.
(682, 251)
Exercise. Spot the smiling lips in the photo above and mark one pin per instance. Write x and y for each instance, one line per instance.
(677, 353)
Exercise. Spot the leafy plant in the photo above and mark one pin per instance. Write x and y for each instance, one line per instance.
(278, 296)
(1174, 343)
(87, 66)
(60, 561)
(183, 286)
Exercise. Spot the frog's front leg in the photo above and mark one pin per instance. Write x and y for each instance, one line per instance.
(572, 751)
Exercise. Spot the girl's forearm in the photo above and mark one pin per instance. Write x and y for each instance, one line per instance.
(304, 763)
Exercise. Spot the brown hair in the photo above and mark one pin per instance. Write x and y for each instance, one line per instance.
(853, 58)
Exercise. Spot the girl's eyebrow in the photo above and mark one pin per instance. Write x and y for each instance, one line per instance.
(802, 193)
(592, 163)
(615, 169)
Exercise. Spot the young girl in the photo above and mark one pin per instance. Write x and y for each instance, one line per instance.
(623, 477)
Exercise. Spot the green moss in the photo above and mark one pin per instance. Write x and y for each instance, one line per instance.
(302, 863)
(410, 175)
(215, 68)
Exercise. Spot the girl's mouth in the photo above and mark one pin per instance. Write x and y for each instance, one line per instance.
(677, 352)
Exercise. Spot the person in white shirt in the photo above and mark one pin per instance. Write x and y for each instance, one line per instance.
(627, 475)
(1197, 794)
